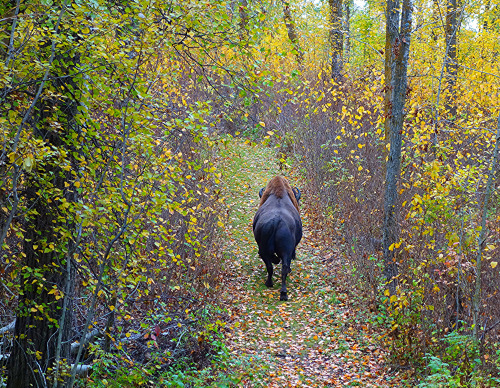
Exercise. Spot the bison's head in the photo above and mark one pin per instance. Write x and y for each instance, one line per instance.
(295, 190)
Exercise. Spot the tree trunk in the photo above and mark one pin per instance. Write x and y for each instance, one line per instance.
(486, 15)
(347, 31)
(8, 12)
(476, 302)
(243, 10)
(391, 34)
(399, 67)
(109, 325)
(292, 31)
(451, 30)
(43, 323)
(436, 20)
(40, 311)
(336, 38)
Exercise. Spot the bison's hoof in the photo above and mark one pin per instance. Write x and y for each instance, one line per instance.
(283, 296)
(269, 284)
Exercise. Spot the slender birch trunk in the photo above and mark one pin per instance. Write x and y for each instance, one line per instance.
(399, 67)
(391, 34)
(481, 241)
(336, 38)
(347, 30)
(292, 31)
(243, 11)
(451, 60)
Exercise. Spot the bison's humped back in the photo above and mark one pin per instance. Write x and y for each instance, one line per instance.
(279, 187)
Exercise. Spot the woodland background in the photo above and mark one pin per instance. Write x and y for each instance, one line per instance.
(112, 207)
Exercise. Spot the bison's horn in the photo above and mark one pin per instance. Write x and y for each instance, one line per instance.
(261, 192)
(297, 193)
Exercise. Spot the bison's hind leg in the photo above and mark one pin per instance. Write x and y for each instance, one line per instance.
(269, 281)
(269, 267)
(268, 259)
(285, 270)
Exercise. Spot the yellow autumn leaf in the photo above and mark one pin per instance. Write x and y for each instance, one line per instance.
(28, 163)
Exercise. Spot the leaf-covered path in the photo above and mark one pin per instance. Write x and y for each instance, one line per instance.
(316, 339)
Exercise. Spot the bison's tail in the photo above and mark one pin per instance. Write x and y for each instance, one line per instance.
(275, 259)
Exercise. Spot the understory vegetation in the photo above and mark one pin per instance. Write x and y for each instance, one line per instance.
(135, 136)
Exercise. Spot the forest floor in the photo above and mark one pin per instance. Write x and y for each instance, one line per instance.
(320, 337)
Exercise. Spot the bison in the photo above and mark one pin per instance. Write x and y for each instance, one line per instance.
(277, 228)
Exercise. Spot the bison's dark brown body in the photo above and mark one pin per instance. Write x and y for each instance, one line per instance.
(277, 228)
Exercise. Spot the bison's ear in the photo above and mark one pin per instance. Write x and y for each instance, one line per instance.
(261, 192)
(296, 191)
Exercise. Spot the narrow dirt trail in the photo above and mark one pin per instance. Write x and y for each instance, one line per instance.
(312, 340)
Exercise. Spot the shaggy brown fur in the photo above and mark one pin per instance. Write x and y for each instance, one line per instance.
(279, 186)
